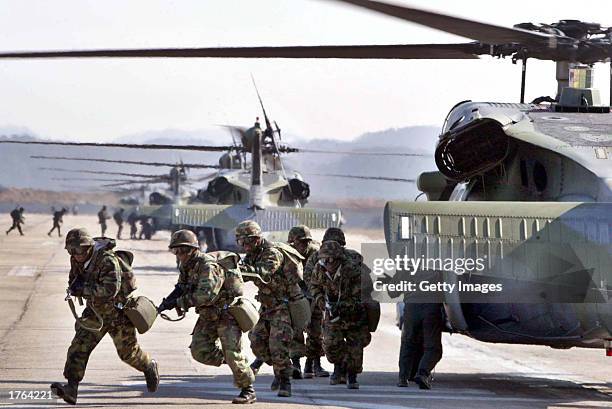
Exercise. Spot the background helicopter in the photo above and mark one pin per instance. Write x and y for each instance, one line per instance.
(526, 174)
(251, 182)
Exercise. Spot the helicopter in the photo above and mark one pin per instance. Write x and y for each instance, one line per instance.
(529, 184)
(251, 182)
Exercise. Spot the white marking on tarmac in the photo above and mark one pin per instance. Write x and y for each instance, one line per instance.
(22, 271)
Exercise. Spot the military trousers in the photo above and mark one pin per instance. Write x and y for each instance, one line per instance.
(209, 333)
(16, 225)
(344, 341)
(271, 338)
(121, 330)
(57, 226)
(421, 347)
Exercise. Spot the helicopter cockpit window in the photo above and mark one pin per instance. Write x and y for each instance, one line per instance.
(540, 178)
(456, 123)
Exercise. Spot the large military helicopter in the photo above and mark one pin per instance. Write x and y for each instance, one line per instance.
(527, 184)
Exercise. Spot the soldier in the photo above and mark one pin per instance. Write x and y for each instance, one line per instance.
(300, 238)
(210, 282)
(58, 219)
(421, 347)
(18, 220)
(102, 218)
(146, 229)
(274, 270)
(96, 275)
(336, 286)
(118, 217)
(132, 219)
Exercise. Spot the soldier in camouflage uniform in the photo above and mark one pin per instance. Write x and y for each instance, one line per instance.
(336, 285)
(18, 220)
(276, 275)
(300, 238)
(97, 275)
(210, 282)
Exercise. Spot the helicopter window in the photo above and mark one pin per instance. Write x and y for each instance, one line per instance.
(405, 228)
(524, 177)
(539, 176)
(457, 122)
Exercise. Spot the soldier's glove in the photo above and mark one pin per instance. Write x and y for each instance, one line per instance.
(77, 287)
(167, 304)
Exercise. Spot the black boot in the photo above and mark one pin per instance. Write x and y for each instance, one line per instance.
(402, 382)
(152, 376)
(246, 396)
(284, 390)
(424, 381)
(275, 384)
(339, 375)
(318, 369)
(352, 381)
(308, 371)
(297, 369)
(256, 365)
(67, 391)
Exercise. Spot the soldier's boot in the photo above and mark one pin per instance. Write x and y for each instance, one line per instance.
(275, 384)
(246, 396)
(256, 365)
(308, 371)
(318, 369)
(67, 391)
(297, 369)
(424, 381)
(151, 374)
(352, 381)
(284, 389)
(339, 375)
(402, 382)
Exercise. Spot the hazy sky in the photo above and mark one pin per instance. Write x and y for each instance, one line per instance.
(104, 99)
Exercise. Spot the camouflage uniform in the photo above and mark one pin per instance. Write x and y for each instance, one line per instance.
(210, 289)
(103, 291)
(278, 283)
(346, 331)
(58, 219)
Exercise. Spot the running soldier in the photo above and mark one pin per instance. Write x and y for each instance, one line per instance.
(210, 283)
(118, 217)
(274, 270)
(336, 286)
(58, 219)
(97, 275)
(132, 219)
(102, 218)
(18, 220)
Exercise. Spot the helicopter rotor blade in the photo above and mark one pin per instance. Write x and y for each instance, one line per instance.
(205, 177)
(126, 145)
(98, 172)
(383, 178)
(483, 32)
(381, 51)
(106, 180)
(129, 162)
(357, 153)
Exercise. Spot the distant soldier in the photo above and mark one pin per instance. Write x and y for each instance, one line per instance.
(75, 210)
(18, 220)
(336, 286)
(132, 219)
(272, 269)
(210, 283)
(102, 218)
(58, 219)
(300, 239)
(118, 217)
(146, 228)
(96, 274)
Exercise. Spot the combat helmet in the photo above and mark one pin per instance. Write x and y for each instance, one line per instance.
(184, 238)
(335, 234)
(300, 232)
(248, 228)
(78, 238)
(330, 249)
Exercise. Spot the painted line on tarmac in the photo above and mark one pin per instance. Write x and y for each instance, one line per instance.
(23, 271)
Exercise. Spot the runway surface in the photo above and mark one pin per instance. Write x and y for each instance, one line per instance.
(36, 328)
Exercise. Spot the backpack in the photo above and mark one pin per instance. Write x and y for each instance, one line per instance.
(292, 256)
(125, 259)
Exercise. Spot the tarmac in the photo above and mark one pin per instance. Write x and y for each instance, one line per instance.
(36, 328)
